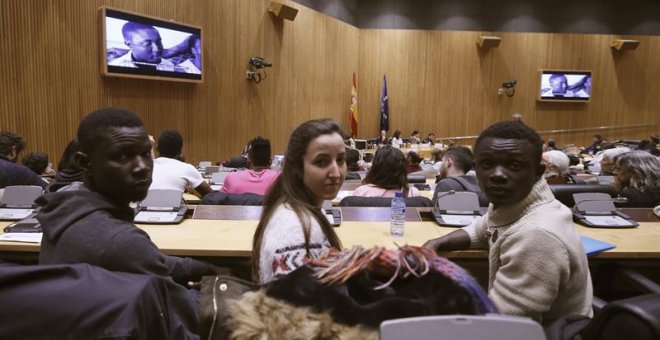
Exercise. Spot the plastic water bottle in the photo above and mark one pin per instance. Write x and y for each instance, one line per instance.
(398, 219)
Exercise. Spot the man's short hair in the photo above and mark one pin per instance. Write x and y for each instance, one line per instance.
(513, 130)
(609, 155)
(557, 160)
(130, 27)
(556, 76)
(98, 123)
(259, 152)
(9, 140)
(37, 162)
(461, 156)
(170, 143)
(352, 158)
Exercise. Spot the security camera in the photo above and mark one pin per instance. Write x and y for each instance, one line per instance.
(509, 85)
(258, 62)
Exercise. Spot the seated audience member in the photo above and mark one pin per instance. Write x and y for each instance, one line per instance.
(538, 267)
(556, 168)
(436, 158)
(238, 162)
(607, 160)
(11, 173)
(293, 226)
(414, 137)
(67, 170)
(396, 140)
(638, 179)
(413, 161)
(595, 146)
(352, 166)
(94, 224)
(456, 163)
(258, 178)
(171, 173)
(38, 163)
(430, 139)
(382, 140)
(386, 176)
(550, 145)
(517, 117)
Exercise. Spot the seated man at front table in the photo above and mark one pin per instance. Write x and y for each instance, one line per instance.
(537, 266)
(93, 223)
(11, 173)
(170, 172)
(456, 162)
(146, 48)
(258, 178)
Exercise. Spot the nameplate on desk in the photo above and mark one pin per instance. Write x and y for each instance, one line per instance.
(156, 216)
(14, 214)
(611, 220)
(459, 219)
(21, 237)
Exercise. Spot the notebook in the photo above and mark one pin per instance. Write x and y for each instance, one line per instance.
(593, 246)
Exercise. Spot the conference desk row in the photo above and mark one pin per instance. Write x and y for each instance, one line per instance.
(227, 231)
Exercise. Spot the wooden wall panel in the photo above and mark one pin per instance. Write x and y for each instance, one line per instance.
(51, 76)
(440, 81)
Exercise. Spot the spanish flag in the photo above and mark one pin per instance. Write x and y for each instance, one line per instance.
(353, 113)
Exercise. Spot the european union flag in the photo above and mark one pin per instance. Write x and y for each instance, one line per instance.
(384, 108)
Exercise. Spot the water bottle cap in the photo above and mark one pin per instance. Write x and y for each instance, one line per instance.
(398, 194)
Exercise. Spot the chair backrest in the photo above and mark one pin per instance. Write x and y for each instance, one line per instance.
(219, 177)
(21, 195)
(204, 164)
(222, 198)
(417, 177)
(462, 327)
(593, 201)
(358, 201)
(564, 192)
(162, 198)
(633, 318)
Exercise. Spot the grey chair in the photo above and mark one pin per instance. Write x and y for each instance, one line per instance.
(462, 327)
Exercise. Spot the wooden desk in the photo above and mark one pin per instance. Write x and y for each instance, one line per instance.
(220, 238)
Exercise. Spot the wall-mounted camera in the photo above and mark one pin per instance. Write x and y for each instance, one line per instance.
(508, 88)
(255, 64)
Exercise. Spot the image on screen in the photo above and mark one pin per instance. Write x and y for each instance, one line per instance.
(565, 85)
(147, 47)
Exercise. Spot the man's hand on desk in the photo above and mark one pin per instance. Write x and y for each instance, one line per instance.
(456, 240)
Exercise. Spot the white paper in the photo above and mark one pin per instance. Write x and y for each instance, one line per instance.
(155, 216)
(459, 219)
(17, 214)
(216, 187)
(615, 221)
(21, 237)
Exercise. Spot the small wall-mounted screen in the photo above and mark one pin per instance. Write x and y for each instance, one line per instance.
(146, 47)
(558, 85)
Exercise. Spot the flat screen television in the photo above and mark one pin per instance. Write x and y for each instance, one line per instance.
(562, 85)
(140, 46)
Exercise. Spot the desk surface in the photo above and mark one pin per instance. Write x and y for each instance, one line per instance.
(234, 238)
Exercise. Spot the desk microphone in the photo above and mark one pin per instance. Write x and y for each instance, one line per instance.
(437, 199)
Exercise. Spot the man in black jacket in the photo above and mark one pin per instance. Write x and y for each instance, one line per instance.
(92, 222)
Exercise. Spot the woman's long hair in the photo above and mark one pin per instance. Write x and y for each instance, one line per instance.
(290, 188)
(388, 170)
(645, 169)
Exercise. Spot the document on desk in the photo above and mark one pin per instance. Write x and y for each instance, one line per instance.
(21, 237)
(614, 221)
(15, 214)
(459, 219)
(156, 216)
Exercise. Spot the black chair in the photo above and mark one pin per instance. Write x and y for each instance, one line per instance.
(418, 177)
(222, 198)
(564, 192)
(358, 201)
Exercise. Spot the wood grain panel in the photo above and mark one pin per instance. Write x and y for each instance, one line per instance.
(51, 76)
(450, 87)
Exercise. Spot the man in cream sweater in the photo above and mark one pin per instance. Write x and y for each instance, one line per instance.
(537, 266)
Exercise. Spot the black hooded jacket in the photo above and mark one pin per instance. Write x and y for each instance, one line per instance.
(81, 226)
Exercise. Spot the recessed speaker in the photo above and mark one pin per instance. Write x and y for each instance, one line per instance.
(624, 44)
(282, 11)
(485, 41)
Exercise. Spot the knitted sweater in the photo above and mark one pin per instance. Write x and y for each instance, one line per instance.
(283, 243)
(538, 267)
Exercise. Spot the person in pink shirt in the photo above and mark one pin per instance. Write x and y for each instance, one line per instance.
(387, 175)
(258, 178)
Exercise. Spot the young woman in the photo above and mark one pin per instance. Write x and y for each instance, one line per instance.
(293, 226)
(387, 175)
